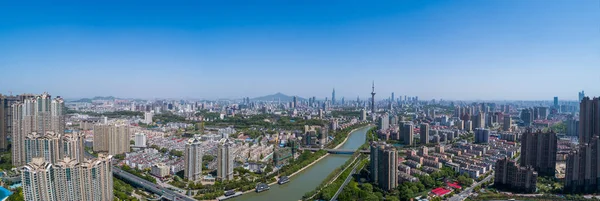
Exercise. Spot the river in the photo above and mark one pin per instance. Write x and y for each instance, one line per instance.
(311, 177)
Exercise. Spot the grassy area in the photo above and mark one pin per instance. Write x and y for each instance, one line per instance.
(6, 160)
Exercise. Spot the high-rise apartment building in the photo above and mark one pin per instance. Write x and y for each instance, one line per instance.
(479, 120)
(71, 145)
(68, 179)
(46, 146)
(111, 139)
(384, 165)
(406, 131)
(193, 160)
(507, 123)
(538, 150)
(383, 122)
(424, 131)
(527, 116)
(6, 119)
(225, 160)
(482, 135)
(140, 140)
(582, 173)
(509, 175)
(38, 114)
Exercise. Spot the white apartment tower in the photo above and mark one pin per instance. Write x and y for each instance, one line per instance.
(193, 160)
(225, 160)
(140, 140)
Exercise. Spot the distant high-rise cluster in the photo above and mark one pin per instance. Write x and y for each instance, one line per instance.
(384, 165)
(111, 139)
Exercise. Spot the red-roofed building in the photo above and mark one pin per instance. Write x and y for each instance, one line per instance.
(454, 185)
(440, 191)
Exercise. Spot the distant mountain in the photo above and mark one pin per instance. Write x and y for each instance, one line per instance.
(89, 100)
(276, 97)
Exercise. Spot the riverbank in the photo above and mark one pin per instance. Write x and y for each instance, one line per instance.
(318, 159)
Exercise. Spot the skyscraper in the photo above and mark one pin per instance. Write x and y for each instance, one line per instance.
(392, 96)
(507, 123)
(6, 119)
(538, 150)
(424, 131)
(527, 116)
(406, 131)
(581, 95)
(225, 160)
(589, 119)
(384, 165)
(373, 99)
(193, 160)
(38, 114)
(295, 102)
(111, 139)
(556, 102)
(333, 97)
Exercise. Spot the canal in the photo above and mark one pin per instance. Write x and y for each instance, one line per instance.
(308, 179)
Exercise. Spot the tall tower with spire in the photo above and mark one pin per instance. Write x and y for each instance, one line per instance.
(333, 97)
(373, 99)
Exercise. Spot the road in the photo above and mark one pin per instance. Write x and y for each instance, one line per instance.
(465, 193)
(149, 186)
(348, 178)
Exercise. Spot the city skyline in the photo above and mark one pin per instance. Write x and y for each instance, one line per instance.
(461, 50)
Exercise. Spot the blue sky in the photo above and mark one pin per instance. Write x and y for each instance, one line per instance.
(471, 49)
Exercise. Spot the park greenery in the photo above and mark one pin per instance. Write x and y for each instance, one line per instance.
(123, 190)
(17, 195)
(6, 160)
(345, 113)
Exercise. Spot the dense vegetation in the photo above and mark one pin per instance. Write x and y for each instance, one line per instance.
(139, 173)
(17, 196)
(6, 160)
(345, 113)
(123, 190)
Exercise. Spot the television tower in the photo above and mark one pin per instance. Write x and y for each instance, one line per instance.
(373, 99)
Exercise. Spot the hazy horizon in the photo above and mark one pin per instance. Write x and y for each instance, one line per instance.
(454, 50)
